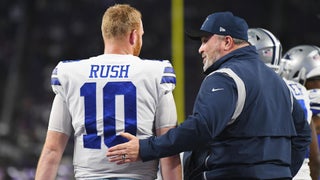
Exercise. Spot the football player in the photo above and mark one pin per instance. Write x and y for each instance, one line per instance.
(270, 50)
(100, 97)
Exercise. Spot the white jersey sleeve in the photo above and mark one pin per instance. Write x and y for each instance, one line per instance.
(104, 96)
(301, 94)
(60, 119)
(166, 112)
(314, 95)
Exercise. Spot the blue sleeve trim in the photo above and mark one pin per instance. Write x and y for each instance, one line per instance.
(315, 108)
(168, 79)
(315, 111)
(70, 61)
(169, 70)
(55, 81)
(315, 105)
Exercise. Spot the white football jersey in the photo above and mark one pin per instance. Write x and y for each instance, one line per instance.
(301, 94)
(314, 95)
(106, 95)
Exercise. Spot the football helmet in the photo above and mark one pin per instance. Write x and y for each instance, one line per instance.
(267, 45)
(314, 73)
(298, 61)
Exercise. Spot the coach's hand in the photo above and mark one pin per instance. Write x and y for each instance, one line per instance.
(126, 152)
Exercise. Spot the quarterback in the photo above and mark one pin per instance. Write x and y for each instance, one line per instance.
(100, 97)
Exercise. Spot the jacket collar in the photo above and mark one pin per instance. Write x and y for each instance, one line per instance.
(236, 53)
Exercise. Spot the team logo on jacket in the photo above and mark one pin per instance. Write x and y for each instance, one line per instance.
(216, 89)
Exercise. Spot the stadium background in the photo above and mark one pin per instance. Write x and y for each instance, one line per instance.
(36, 34)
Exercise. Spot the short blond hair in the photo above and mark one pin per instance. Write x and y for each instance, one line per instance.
(119, 20)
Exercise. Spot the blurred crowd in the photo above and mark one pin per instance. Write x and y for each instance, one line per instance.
(36, 34)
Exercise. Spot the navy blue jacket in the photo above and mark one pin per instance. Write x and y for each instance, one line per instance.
(245, 114)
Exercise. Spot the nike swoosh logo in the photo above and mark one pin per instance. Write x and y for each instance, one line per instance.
(216, 89)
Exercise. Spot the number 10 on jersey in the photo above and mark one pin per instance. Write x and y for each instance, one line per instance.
(109, 93)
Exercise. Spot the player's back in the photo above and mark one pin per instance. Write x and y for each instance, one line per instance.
(106, 95)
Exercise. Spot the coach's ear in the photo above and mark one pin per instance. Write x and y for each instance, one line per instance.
(133, 36)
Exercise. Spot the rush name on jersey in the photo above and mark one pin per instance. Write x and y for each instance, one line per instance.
(106, 95)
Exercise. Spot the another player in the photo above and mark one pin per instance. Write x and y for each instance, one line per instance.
(99, 97)
(314, 95)
(270, 51)
(298, 63)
